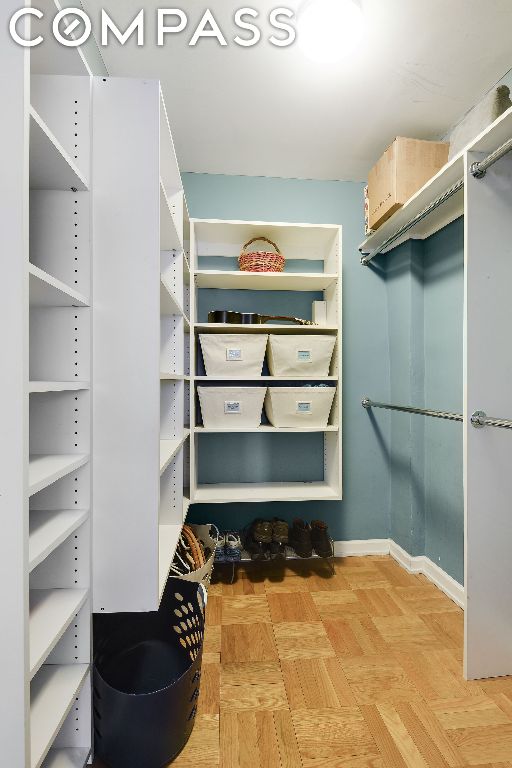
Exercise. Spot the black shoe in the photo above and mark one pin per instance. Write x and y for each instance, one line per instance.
(300, 538)
(277, 551)
(256, 550)
(280, 532)
(261, 531)
(322, 542)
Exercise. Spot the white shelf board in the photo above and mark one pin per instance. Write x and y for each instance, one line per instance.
(186, 269)
(264, 328)
(57, 386)
(169, 236)
(186, 506)
(44, 469)
(173, 377)
(51, 613)
(67, 758)
(264, 428)
(169, 169)
(264, 281)
(169, 449)
(494, 135)
(52, 693)
(48, 530)
(47, 291)
(225, 493)
(169, 304)
(216, 237)
(439, 218)
(266, 378)
(168, 536)
(50, 165)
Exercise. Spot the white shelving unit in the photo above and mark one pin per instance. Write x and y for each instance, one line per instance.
(141, 292)
(45, 548)
(313, 264)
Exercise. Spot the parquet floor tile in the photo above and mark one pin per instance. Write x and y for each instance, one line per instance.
(360, 669)
(406, 633)
(324, 734)
(202, 749)
(378, 679)
(316, 684)
(300, 607)
(258, 739)
(302, 641)
(247, 642)
(252, 685)
(245, 609)
(340, 604)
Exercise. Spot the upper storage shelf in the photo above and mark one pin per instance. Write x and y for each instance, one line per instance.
(441, 215)
(265, 281)
(50, 165)
(297, 242)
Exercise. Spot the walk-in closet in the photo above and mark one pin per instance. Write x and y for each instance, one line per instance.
(256, 417)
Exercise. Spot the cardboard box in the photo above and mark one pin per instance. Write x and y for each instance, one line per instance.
(404, 168)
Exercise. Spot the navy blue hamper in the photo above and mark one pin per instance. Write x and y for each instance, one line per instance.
(147, 669)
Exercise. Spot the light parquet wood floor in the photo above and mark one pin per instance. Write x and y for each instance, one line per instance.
(362, 669)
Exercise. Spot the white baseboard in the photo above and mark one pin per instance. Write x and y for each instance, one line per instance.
(358, 548)
(413, 564)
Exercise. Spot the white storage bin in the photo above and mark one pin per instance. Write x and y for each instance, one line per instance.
(233, 355)
(299, 406)
(231, 407)
(307, 356)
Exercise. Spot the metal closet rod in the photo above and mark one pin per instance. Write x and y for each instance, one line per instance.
(478, 418)
(478, 170)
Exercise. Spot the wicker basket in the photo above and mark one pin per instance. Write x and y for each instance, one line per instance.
(261, 261)
(203, 574)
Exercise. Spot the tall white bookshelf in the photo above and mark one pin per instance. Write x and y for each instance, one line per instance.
(314, 258)
(45, 450)
(141, 351)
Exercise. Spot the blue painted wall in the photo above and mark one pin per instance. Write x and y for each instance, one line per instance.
(443, 280)
(364, 511)
(425, 285)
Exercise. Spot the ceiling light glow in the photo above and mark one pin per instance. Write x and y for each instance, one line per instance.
(330, 30)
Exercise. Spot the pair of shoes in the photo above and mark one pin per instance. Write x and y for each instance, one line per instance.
(228, 547)
(280, 535)
(233, 546)
(267, 539)
(305, 538)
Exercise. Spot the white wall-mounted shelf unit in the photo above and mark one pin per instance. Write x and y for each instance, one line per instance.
(141, 293)
(45, 548)
(313, 265)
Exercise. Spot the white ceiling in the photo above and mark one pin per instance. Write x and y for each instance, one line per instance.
(266, 111)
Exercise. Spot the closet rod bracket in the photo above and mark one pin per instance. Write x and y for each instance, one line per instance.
(479, 418)
(476, 171)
